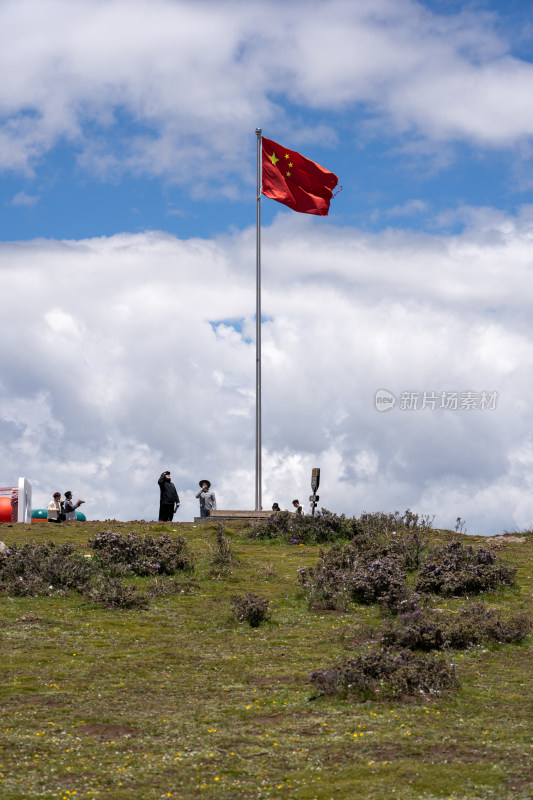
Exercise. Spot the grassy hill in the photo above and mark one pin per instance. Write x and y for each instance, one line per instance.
(179, 699)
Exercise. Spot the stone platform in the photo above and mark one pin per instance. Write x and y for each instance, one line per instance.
(225, 516)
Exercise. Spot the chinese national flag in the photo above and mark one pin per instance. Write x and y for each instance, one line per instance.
(295, 181)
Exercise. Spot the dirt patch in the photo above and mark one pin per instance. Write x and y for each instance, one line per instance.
(409, 751)
(450, 754)
(275, 679)
(355, 750)
(499, 540)
(51, 701)
(353, 638)
(316, 731)
(523, 780)
(75, 780)
(107, 732)
(262, 720)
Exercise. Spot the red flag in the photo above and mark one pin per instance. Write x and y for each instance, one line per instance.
(295, 181)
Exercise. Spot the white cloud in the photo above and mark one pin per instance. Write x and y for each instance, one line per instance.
(23, 199)
(194, 78)
(113, 371)
(407, 209)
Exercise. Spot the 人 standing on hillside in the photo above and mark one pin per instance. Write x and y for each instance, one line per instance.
(169, 500)
(208, 501)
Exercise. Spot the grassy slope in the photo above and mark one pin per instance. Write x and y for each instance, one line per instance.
(180, 701)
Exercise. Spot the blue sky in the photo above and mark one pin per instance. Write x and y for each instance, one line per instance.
(61, 193)
(127, 196)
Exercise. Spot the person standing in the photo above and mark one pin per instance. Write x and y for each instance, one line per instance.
(298, 508)
(169, 500)
(54, 511)
(208, 501)
(70, 506)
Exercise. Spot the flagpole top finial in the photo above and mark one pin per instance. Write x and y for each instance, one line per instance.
(259, 131)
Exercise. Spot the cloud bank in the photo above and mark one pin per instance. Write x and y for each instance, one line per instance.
(173, 87)
(127, 355)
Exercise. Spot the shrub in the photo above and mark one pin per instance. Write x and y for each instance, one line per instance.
(409, 547)
(419, 629)
(166, 587)
(378, 523)
(114, 547)
(172, 554)
(456, 569)
(222, 556)
(400, 600)
(428, 629)
(376, 579)
(324, 526)
(140, 555)
(403, 536)
(326, 584)
(26, 586)
(384, 673)
(475, 623)
(43, 569)
(111, 593)
(343, 574)
(251, 608)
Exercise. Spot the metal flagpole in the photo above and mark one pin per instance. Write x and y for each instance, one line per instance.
(258, 476)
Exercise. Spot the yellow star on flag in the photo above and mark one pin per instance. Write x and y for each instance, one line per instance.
(274, 159)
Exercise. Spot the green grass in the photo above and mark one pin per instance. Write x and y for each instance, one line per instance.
(181, 701)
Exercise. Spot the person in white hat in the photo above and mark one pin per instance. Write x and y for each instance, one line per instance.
(208, 501)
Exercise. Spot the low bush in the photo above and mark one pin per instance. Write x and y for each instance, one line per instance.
(383, 674)
(113, 594)
(42, 569)
(326, 584)
(222, 557)
(140, 555)
(400, 599)
(475, 623)
(372, 580)
(344, 574)
(324, 526)
(379, 522)
(419, 629)
(166, 587)
(251, 608)
(27, 586)
(456, 569)
(429, 629)
(408, 546)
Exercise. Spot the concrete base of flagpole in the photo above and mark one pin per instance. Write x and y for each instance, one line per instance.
(226, 516)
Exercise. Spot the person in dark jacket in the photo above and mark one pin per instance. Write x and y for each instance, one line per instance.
(169, 501)
(70, 506)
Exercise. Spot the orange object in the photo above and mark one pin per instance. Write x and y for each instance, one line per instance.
(5, 509)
